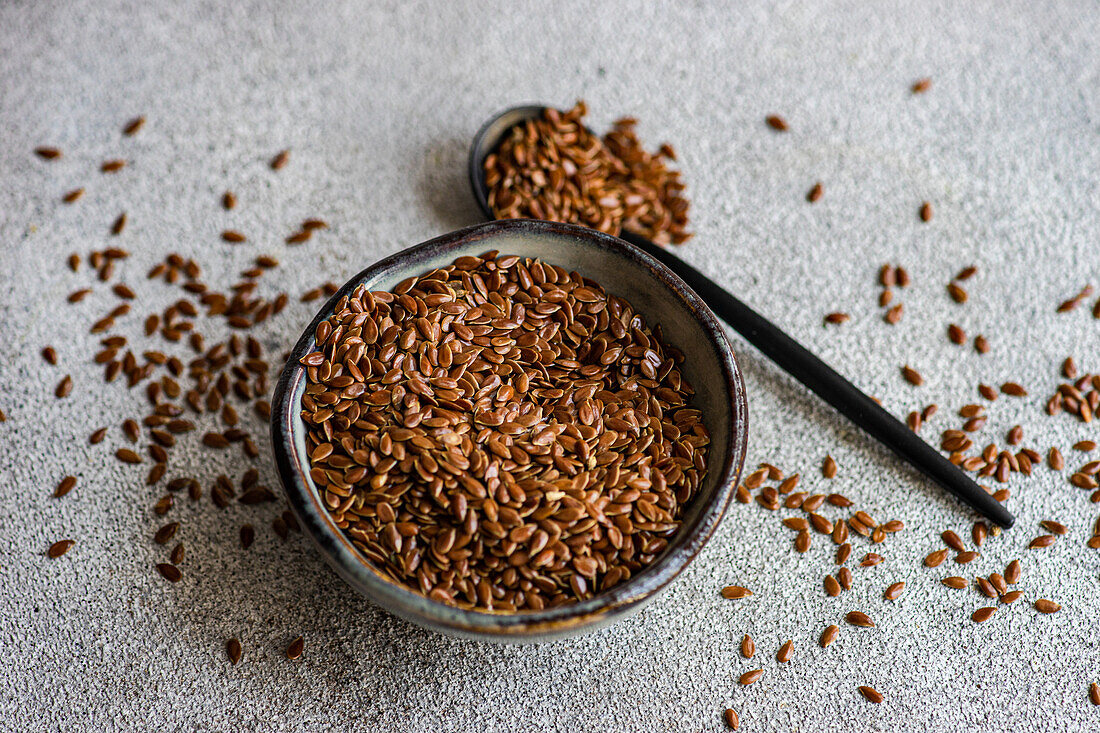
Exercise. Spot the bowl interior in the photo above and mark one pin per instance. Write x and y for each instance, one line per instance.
(622, 270)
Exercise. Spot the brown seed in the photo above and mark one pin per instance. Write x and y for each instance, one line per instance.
(280, 159)
(1069, 368)
(177, 554)
(732, 722)
(815, 192)
(784, 654)
(843, 552)
(229, 200)
(802, 542)
(294, 651)
(828, 467)
(844, 577)
(920, 86)
(65, 486)
(983, 614)
(314, 224)
(966, 557)
(893, 316)
(47, 153)
(73, 196)
(839, 500)
(952, 540)
(871, 694)
(987, 392)
(829, 635)
(59, 548)
(119, 224)
(1044, 540)
(97, 436)
(1011, 597)
(986, 588)
(248, 535)
(64, 387)
(870, 559)
(1042, 605)
(837, 318)
(1012, 572)
(1013, 389)
(776, 122)
(981, 344)
(735, 591)
(233, 236)
(1094, 694)
(748, 647)
(912, 375)
(832, 588)
(166, 533)
(170, 572)
(956, 334)
(1085, 446)
(1055, 460)
(935, 559)
(299, 237)
(127, 456)
(926, 211)
(111, 166)
(955, 582)
(893, 592)
(978, 533)
(751, 676)
(859, 618)
(957, 293)
(1053, 527)
(233, 651)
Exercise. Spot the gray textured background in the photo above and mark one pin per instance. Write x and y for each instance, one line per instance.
(378, 103)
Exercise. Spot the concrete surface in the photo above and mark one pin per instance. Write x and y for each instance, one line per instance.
(377, 102)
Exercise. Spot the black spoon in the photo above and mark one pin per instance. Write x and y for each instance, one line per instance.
(792, 357)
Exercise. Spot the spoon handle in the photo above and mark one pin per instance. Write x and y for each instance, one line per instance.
(826, 383)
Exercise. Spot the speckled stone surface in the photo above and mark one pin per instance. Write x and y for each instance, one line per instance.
(377, 102)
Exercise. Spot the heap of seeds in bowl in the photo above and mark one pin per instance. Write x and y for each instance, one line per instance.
(501, 434)
(554, 168)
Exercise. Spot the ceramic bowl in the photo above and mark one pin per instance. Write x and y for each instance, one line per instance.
(623, 270)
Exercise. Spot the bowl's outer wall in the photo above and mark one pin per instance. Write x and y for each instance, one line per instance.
(709, 367)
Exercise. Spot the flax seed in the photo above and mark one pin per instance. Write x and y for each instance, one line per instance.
(829, 635)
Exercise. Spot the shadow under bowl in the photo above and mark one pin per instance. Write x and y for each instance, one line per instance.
(623, 270)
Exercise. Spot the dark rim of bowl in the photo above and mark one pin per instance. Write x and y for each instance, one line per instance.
(359, 572)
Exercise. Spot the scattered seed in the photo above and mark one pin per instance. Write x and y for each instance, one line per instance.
(955, 582)
(870, 693)
(170, 572)
(280, 160)
(233, 651)
(1013, 389)
(732, 722)
(983, 614)
(64, 387)
(893, 592)
(966, 557)
(912, 376)
(73, 196)
(926, 211)
(921, 86)
(935, 559)
(777, 123)
(47, 153)
(1042, 605)
(748, 647)
(248, 535)
(784, 654)
(65, 486)
(294, 651)
(111, 166)
(815, 193)
(829, 635)
(59, 548)
(859, 618)
(751, 676)
(735, 591)
(232, 236)
(1094, 694)
(1045, 540)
